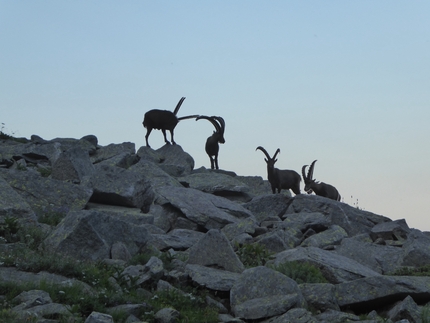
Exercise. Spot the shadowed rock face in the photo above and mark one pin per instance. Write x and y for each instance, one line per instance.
(116, 203)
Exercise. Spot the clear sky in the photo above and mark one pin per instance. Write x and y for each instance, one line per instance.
(343, 82)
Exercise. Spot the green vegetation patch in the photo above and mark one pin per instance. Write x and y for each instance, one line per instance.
(301, 272)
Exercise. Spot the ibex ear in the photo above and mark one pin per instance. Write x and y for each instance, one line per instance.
(266, 160)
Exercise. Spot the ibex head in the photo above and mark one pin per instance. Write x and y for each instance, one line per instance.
(308, 178)
(219, 125)
(269, 160)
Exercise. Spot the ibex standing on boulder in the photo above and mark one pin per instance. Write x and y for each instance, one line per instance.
(212, 147)
(280, 179)
(163, 120)
(321, 189)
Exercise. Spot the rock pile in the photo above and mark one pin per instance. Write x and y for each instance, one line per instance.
(117, 202)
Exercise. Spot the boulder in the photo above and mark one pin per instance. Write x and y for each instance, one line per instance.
(212, 278)
(175, 161)
(90, 234)
(12, 205)
(214, 250)
(207, 210)
(335, 268)
(375, 292)
(261, 292)
(351, 219)
(214, 183)
(119, 186)
(47, 195)
(72, 165)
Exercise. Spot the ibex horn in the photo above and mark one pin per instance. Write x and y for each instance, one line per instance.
(212, 120)
(179, 105)
(264, 151)
(311, 170)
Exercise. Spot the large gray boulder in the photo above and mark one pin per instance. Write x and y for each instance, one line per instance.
(213, 182)
(378, 291)
(380, 258)
(214, 250)
(91, 235)
(207, 210)
(212, 278)
(119, 186)
(13, 205)
(335, 268)
(332, 236)
(47, 195)
(177, 239)
(261, 292)
(175, 161)
(351, 219)
(72, 165)
(112, 150)
(269, 205)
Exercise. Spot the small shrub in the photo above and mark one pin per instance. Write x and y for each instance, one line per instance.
(301, 272)
(253, 255)
(9, 228)
(44, 172)
(411, 271)
(425, 314)
(192, 307)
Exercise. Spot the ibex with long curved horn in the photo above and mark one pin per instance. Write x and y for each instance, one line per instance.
(212, 147)
(321, 189)
(280, 179)
(163, 120)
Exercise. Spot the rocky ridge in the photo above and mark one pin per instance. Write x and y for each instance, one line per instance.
(117, 202)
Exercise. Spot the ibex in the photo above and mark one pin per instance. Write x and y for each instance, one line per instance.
(321, 189)
(280, 179)
(163, 120)
(212, 147)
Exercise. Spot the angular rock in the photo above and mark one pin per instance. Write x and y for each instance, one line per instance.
(127, 214)
(416, 249)
(233, 230)
(72, 165)
(176, 161)
(31, 298)
(394, 230)
(406, 309)
(305, 221)
(213, 182)
(167, 315)
(91, 234)
(261, 293)
(212, 278)
(351, 219)
(332, 236)
(112, 150)
(155, 175)
(382, 259)
(321, 297)
(376, 292)
(12, 205)
(118, 186)
(177, 239)
(138, 274)
(214, 250)
(296, 315)
(278, 240)
(46, 195)
(335, 268)
(96, 317)
(266, 206)
(207, 210)
(12, 275)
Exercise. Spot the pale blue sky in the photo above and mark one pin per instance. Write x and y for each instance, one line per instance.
(344, 82)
